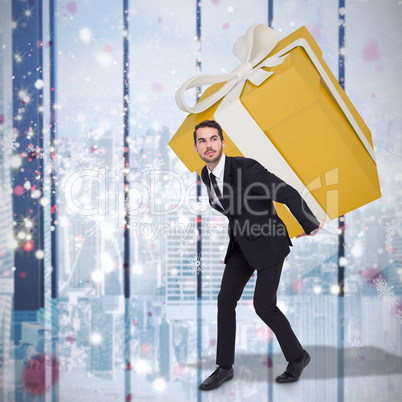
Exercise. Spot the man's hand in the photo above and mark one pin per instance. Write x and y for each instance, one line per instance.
(318, 229)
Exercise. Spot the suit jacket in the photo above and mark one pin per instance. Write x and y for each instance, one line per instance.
(248, 192)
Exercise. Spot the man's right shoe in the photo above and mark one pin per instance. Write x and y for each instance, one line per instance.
(216, 379)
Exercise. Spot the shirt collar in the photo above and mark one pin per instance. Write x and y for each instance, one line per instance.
(219, 168)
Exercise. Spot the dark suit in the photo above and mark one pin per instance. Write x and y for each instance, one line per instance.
(258, 241)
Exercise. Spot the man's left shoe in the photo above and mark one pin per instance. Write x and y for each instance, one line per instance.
(293, 370)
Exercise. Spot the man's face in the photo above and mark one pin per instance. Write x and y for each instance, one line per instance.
(209, 145)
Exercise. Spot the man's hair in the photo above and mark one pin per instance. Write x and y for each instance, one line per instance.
(208, 123)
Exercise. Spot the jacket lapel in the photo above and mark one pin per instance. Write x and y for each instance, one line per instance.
(227, 182)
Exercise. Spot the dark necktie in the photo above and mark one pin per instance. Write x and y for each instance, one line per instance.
(216, 187)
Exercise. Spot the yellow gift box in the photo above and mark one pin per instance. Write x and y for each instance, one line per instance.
(292, 116)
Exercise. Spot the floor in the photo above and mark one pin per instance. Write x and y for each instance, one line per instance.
(78, 350)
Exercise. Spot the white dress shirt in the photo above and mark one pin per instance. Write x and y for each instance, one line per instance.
(218, 172)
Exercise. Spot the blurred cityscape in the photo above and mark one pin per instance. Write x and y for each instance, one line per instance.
(91, 335)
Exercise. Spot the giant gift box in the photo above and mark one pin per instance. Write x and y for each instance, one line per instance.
(283, 107)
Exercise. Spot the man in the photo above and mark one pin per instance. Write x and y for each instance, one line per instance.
(243, 190)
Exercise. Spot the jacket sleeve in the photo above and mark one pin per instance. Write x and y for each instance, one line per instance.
(262, 182)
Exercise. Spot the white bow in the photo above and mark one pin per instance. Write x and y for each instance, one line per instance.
(250, 49)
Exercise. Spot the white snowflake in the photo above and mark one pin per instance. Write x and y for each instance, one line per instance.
(199, 207)
(392, 154)
(180, 212)
(358, 347)
(390, 299)
(196, 264)
(51, 161)
(136, 205)
(170, 205)
(384, 291)
(337, 242)
(35, 153)
(153, 167)
(97, 224)
(92, 231)
(91, 162)
(132, 176)
(8, 145)
(391, 228)
(183, 248)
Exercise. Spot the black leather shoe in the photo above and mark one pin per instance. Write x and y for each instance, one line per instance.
(216, 379)
(293, 370)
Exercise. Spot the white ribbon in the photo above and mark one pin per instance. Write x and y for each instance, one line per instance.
(237, 121)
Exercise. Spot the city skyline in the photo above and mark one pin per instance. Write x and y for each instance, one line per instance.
(94, 342)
